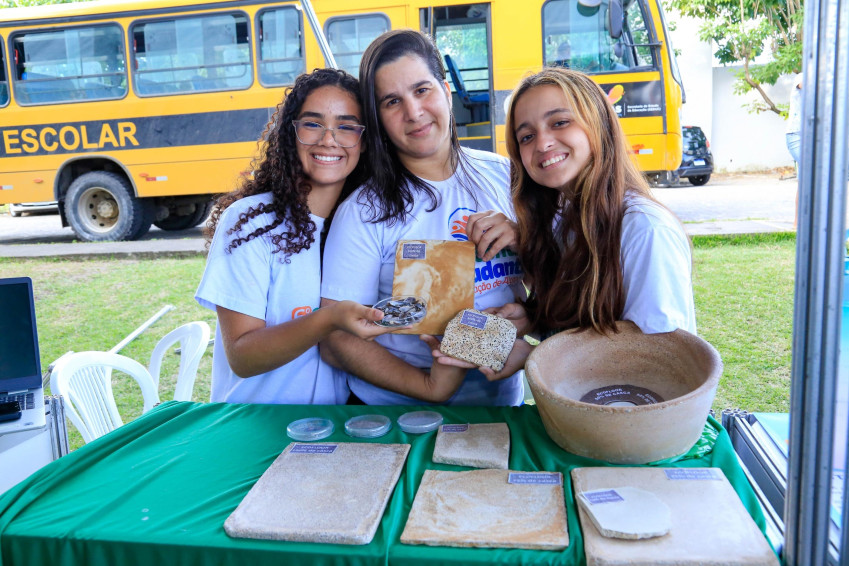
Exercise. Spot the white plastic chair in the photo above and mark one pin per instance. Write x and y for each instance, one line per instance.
(84, 379)
(193, 338)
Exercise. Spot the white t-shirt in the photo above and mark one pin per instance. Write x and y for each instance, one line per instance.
(657, 267)
(253, 281)
(359, 264)
(794, 113)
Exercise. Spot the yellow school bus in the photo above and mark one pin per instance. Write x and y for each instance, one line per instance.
(135, 112)
(489, 46)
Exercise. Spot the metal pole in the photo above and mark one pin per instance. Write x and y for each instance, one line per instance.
(140, 329)
(329, 59)
(819, 262)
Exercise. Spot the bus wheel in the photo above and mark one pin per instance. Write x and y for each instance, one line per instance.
(100, 206)
(174, 222)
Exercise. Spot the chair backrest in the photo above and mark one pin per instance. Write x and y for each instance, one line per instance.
(456, 78)
(193, 338)
(84, 379)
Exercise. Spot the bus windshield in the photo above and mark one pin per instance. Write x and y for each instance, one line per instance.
(576, 34)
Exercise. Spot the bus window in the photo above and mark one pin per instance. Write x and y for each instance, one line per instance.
(69, 65)
(281, 49)
(195, 54)
(4, 84)
(350, 35)
(575, 34)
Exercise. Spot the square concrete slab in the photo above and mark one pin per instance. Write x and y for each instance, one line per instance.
(321, 492)
(481, 508)
(710, 526)
(441, 272)
(484, 445)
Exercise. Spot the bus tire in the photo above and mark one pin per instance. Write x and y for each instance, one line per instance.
(100, 206)
(173, 222)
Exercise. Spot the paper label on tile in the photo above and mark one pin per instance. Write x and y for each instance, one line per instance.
(413, 251)
(540, 478)
(313, 449)
(455, 428)
(473, 319)
(692, 474)
(602, 496)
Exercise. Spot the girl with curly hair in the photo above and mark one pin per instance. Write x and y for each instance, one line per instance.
(263, 273)
(594, 244)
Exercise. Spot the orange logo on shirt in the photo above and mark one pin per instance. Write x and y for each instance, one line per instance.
(301, 311)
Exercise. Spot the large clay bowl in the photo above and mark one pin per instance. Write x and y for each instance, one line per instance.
(678, 366)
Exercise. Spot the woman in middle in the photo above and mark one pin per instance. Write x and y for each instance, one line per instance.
(423, 184)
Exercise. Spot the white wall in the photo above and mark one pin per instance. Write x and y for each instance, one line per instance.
(739, 140)
(743, 141)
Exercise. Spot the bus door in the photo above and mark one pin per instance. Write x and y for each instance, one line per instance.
(463, 35)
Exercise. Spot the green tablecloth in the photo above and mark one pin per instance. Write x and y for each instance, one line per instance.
(157, 491)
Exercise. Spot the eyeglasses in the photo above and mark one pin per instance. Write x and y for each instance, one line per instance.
(310, 133)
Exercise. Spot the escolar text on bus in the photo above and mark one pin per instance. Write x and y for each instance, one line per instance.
(47, 139)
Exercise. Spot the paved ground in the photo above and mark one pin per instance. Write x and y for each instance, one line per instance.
(729, 203)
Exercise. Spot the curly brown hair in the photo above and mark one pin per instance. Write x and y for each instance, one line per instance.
(278, 170)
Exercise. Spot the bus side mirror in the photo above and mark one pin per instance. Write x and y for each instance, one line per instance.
(615, 18)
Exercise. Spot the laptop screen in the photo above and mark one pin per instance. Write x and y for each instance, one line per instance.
(20, 366)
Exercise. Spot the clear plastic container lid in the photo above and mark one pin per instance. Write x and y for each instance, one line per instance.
(419, 422)
(368, 426)
(312, 428)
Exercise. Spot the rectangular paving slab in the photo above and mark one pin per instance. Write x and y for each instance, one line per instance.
(489, 508)
(709, 525)
(321, 492)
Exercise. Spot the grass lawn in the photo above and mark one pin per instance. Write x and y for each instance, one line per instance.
(743, 288)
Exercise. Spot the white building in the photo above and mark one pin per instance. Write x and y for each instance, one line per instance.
(739, 140)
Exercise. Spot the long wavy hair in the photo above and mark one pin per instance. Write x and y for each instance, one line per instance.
(278, 170)
(570, 239)
(391, 191)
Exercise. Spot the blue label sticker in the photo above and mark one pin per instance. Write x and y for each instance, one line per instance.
(413, 251)
(455, 428)
(540, 478)
(313, 449)
(602, 496)
(473, 319)
(692, 474)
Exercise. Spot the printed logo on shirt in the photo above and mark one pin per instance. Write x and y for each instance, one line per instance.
(503, 269)
(301, 311)
(457, 223)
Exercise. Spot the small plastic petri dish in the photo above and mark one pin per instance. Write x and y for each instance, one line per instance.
(312, 428)
(419, 422)
(367, 426)
(401, 311)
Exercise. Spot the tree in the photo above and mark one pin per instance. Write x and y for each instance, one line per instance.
(744, 30)
(19, 3)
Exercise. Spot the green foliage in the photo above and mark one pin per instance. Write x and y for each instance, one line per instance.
(745, 30)
(21, 3)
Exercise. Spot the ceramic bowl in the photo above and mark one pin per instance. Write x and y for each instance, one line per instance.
(625, 398)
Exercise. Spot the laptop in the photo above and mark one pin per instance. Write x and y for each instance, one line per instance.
(20, 365)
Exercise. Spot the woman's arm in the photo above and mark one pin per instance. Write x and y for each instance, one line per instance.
(253, 348)
(373, 363)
